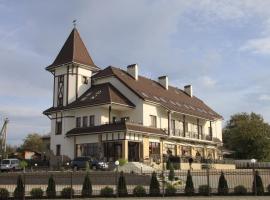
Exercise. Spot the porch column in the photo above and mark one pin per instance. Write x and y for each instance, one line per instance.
(198, 128)
(169, 123)
(161, 152)
(193, 152)
(177, 150)
(184, 125)
(145, 148)
(110, 110)
(75, 146)
(125, 149)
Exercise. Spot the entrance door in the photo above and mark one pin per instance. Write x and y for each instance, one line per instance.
(133, 151)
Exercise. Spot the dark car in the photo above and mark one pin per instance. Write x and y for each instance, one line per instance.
(80, 163)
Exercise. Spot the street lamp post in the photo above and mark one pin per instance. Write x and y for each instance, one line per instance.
(116, 176)
(253, 161)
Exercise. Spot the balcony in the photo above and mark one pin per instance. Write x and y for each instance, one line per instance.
(189, 134)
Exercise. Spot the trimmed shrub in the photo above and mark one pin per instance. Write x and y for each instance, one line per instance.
(204, 190)
(122, 161)
(171, 173)
(170, 190)
(106, 192)
(36, 193)
(87, 186)
(23, 164)
(259, 184)
(222, 185)
(67, 192)
(51, 191)
(139, 191)
(189, 188)
(121, 186)
(4, 194)
(168, 164)
(240, 190)
(154, 189)
(19, 190)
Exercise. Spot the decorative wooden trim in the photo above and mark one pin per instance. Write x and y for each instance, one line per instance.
(67, 86)
(77, 82)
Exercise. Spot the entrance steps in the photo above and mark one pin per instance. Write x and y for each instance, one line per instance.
(135, 167)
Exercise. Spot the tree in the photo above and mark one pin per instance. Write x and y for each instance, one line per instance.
(122, 187)
(33, 142)
(258, 184)
(248, 136)
(154, 185)
(51, 191)
(19, 190)
(189, 189)
(87, 186)
(222, 185)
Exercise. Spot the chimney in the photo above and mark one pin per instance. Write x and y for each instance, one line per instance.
(188, 90)
(132, 70)
(164, 81)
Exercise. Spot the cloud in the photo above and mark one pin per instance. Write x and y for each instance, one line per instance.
(208, 81)
(257, 46)
(264, 97)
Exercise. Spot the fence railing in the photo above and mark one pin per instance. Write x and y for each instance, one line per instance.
(99, 180)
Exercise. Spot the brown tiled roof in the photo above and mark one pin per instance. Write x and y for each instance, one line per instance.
(174, 99)
(125, 126)
(73, 50)
(100, 94)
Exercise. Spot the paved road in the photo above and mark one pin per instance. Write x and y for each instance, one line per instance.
(191, 198)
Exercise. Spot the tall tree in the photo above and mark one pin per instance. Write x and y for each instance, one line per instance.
(33, 142)
(248, 136)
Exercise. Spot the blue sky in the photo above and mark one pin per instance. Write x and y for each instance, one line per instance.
(220, 47)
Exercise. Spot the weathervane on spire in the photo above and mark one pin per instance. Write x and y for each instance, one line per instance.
(74, 23)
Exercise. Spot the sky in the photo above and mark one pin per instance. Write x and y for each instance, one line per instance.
(221, 48)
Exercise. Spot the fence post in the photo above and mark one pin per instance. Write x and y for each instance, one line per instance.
(71, 184)
(254, 179)
(23, 185)
(208, 177)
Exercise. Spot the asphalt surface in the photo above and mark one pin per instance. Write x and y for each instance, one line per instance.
(191, 198)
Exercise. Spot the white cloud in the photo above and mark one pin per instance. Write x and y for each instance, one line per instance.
(208, 81)
(264, 97)
(257, 46)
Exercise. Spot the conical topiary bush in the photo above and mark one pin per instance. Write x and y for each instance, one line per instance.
(259, 184)
(189, 188)
(171, 173)
(122, 187)
(19, 190)
(51, 191)
(154, 185)
(87, 186)
(222, 185)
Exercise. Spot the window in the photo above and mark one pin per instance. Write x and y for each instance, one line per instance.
(88, 149)
(58, 127)
(92, 120)
(84, 80)
(154, 148)
(58, 149)
(60, 93)
(114, 119)
(78, 122)
(173, 126)
(153, 121)
(85, 119)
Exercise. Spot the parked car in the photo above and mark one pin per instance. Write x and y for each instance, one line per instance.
(80, 163)
(10, 165)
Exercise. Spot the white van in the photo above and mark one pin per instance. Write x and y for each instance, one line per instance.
(10, 165)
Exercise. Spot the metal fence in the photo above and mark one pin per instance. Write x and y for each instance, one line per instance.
(100, 179)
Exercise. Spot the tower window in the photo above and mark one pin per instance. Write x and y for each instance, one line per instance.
(58, 128)
(60, 94)
(85, 119)
(84, 80)
(58, 149)
(92, 120)
(78, 122)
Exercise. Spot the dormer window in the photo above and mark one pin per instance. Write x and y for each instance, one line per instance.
(84, 80)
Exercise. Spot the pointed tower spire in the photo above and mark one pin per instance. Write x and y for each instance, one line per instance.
(73, 50)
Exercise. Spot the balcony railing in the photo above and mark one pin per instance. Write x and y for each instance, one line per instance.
(189, 134)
